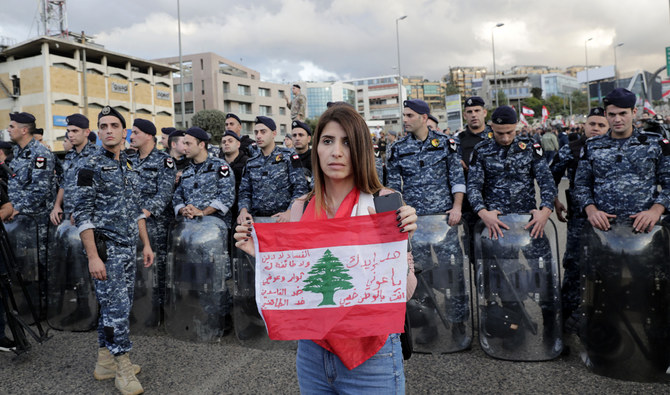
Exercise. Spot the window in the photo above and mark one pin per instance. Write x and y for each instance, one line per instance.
(188, 66)
(203, 86)
(263, 92)
(226, 87)
(188, 106)
(244, 90)
(282, 110)
(188, 87)
(204, 107)
(245, 108)
(282, 93)
(202, 64)
(282, 130)
(265, 110)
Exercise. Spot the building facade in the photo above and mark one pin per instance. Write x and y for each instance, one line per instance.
(212, 82)
(432, 92)
(561, 85)
(378, 98)
(320, 93)
(467, 79)
(52, 78)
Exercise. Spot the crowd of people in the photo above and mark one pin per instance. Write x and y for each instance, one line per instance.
(483, 172)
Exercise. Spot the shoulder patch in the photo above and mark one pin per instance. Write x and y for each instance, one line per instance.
(169, 163)
(435, 143)
(295, 161)
(537, 150)
(41, 162)
(522, 145)
(85, 178)
(224, 171)
(452, 145)
(665, 146)
(490, 135)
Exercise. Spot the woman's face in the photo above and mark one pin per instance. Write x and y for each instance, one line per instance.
(334, 153)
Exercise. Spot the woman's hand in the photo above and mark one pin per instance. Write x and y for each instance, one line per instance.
(407, 219)
(243, 238)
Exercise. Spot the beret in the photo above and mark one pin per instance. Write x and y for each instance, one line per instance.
(266, 121)
(504, 115)
(178, 133)
(231, 115)
(297, 86)
(433, 118)
(597, 111)
(77, 120)
(197, 133)
(39, 131)
(338, 103)
(92, 137)
(168, 131)
(22, 117)
(5, 145)
(620, 97)
(107, 110)
(474, 101)
(231, 134)
(418, 106)
(393, 133)
(301, 125)
(144, 125)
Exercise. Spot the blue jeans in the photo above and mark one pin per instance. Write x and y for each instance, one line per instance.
(322, 372)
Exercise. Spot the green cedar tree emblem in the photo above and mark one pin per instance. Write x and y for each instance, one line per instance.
(327, 277)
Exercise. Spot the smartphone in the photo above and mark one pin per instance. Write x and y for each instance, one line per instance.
(390, 202)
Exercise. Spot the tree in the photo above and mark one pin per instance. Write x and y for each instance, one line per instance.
(327, 277)
(579, 105)
(451, 90)
(535, 104)
(212, 121)
(536, 92)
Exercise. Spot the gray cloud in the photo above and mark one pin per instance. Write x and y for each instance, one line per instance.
(312, 39)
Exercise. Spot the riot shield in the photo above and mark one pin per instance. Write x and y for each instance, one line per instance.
(439, 311)
(197, 267)
(145, 314)
(23, 237)
(625, 328)
(518, 291)
(71, 301)
(249, 326)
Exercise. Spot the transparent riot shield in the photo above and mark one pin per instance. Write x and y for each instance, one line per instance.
(625, 327)
(439, 311)
(23, 237)
(145, 315)
(518, 291)
(197, 267)
(71, 301)
(249, 326)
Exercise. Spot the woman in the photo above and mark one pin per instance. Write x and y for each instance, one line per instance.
(344, 175)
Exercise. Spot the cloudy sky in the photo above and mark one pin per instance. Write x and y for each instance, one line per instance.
(288, 40)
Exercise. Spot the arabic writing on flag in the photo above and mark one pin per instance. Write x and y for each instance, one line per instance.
(337, 278)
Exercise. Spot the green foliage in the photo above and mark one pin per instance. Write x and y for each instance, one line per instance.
(535, 104)
(327, 277)
(312, 122)
(452, 90)
(536, 92)
(502, 98)
(212, 121)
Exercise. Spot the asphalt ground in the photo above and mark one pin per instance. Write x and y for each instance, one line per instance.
(64, 365)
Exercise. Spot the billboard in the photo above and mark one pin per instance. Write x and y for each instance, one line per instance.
(454, 112)
(595, 74)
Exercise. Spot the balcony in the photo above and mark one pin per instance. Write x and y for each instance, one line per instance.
(230, 96)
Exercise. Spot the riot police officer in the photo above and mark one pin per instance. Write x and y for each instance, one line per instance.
(154, 184)
(568, 159)
(109, 219)
(31, 187)
(272, 179)
(426, 167)
(234, 123)
(301, 134)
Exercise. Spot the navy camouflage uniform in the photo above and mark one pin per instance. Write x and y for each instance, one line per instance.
(568, 159)
(154, 183)
(71, 165)
(209, 184)
(503, 178)
(107, 203)
(30, 190)
(428, 173)
(271, 183)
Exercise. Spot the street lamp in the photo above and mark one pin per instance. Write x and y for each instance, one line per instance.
(397, 41)
(495, 76)
(616, 70)
(586, 58)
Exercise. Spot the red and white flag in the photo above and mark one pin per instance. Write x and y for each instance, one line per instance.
(527, 111)
(523, 119)
(648, 108)
(545, 114)
(329, 279)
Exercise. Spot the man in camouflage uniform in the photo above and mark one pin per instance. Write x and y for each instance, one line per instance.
(501, 181)
(154, 183)
(619, 172)
(426, 167)
(207, 187)
(109, 219)
(31, 187)
(568, 159)
(273, 178)
(298, 105)
(77, 133)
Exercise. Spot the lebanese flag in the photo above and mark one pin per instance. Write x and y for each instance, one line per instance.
(523, 119)
(545, 114)
(527, 111)
(649, 108)
(336, 278)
